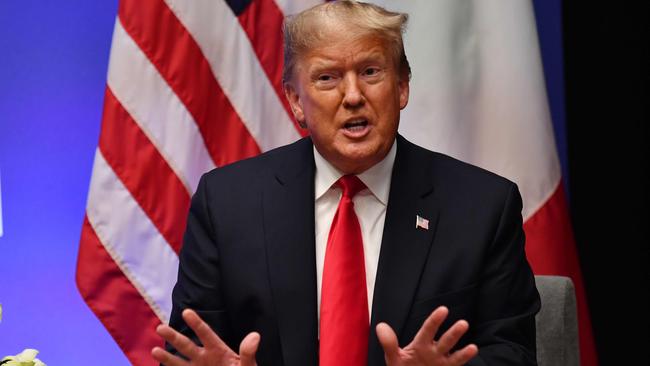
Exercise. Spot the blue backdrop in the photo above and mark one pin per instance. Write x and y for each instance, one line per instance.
(53, 65)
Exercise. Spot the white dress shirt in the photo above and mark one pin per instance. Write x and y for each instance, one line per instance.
(369, 205)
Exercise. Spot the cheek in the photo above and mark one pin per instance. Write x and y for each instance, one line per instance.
(321, 106)
(386, 103)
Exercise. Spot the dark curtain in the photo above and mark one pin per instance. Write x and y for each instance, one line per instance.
(606, 49)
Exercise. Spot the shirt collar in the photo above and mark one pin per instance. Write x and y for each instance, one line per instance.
(377, 178)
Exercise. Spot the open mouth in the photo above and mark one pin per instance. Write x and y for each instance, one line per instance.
(356, 126)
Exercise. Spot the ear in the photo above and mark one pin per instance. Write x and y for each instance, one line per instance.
(294, 101)
(403, 87)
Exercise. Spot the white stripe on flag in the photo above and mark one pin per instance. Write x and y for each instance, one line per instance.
(290, 7)
(478, 90)
(143, 92)
(237, 68)
(133, 242)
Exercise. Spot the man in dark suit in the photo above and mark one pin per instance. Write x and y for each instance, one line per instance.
(441, 242)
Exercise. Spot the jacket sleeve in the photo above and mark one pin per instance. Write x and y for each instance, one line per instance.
(504, 328)
(199, 285)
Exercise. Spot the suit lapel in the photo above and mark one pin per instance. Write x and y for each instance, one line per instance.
(288, 206)
(404, 247)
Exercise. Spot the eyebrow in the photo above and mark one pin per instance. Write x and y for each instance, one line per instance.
(323, 62)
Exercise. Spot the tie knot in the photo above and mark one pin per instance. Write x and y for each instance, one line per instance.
(351, 185)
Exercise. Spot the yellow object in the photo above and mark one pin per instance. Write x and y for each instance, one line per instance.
(26, 358)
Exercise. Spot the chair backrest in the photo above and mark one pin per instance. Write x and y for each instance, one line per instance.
(557, 322)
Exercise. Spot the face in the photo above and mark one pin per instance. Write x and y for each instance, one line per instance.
(349, 95)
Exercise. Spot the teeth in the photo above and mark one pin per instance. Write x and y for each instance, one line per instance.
(356, 123)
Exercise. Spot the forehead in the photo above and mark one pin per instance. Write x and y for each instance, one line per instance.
(345, 49)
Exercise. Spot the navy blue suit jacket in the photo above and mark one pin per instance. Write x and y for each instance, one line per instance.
(248, 260)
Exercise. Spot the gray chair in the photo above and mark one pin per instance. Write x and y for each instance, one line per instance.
(557, 322)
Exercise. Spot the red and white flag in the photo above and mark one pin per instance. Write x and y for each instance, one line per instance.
(195, 84)
(478, 94)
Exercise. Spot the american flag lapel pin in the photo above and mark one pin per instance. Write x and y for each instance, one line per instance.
(421, 222)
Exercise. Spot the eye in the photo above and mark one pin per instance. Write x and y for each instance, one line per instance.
(325, 80)
(371, 71)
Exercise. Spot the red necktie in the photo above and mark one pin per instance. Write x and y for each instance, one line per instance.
(344, 300)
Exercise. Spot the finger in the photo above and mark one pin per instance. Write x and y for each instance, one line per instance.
(388, 340)
(430, 326)
(452, 335)
(463, 356)
(182, 344)
(167, 358)
(208, 337)
(248, 349)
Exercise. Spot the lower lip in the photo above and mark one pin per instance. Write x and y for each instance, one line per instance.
(357, 132)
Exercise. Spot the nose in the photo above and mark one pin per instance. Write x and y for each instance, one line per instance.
(352, 93)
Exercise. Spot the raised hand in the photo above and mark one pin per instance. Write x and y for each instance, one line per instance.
(424, 350)
(214, 351)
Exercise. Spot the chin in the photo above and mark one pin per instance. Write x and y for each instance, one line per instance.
(358, 161)
(356, 153)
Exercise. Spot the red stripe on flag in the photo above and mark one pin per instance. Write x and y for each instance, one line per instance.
(551, 250)
(144, 172)
(114, 300)
(262, 22)
(179, 59)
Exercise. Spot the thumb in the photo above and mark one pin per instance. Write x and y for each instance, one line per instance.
(248, 348)
(388, 341)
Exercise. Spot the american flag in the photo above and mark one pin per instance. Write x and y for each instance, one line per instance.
(192, 84)
(196, 84)
(421, 222)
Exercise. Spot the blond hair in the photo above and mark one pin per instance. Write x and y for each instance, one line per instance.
(304, 31)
